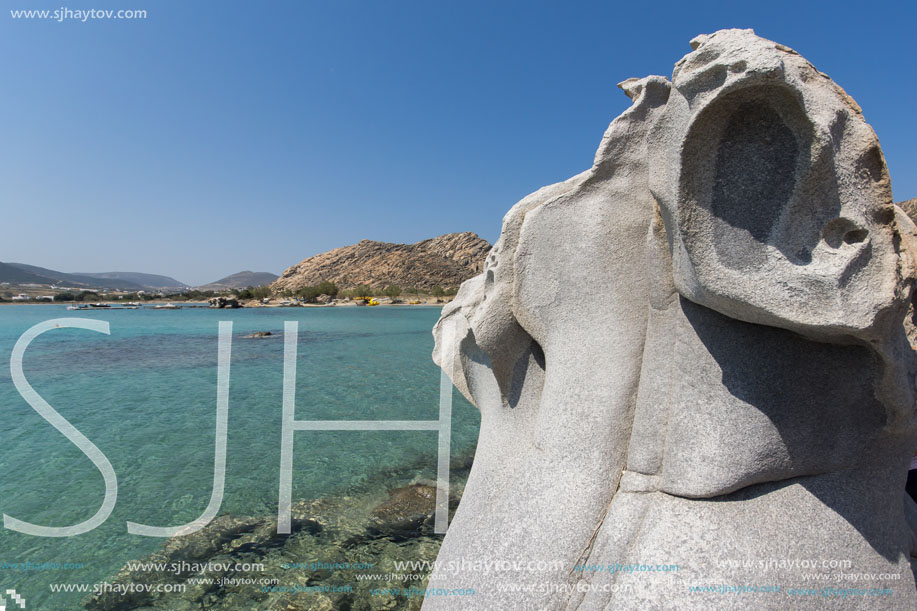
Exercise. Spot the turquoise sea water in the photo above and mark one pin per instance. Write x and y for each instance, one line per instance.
(146, 396)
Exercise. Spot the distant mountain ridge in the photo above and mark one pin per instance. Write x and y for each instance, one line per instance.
(43, 275)
(16, 275)
(153, 281)
(22, 273)
(240, 280)
(445, 261)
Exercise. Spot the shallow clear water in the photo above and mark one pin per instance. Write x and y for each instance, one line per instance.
(146, 396)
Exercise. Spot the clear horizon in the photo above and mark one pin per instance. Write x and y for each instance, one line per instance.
(208, 139)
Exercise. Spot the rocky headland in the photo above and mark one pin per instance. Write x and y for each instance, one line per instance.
(445, 261)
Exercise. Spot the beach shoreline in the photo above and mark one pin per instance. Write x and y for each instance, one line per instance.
(201, 304)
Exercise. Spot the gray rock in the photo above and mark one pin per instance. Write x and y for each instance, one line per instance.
(224, 302)
(699, 353)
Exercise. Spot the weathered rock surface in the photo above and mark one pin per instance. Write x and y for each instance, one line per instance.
(445, 261)
(224, 302)
(698, 353)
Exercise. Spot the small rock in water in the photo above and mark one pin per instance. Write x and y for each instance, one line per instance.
(407, 512)
(257, 334)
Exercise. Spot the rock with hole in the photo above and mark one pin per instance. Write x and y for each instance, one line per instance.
(695, 361)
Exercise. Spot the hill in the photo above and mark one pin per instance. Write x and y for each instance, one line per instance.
(446, 261)
(22, 273)
(15, 275)
(149, 281)
(240, 280)
(43, 275)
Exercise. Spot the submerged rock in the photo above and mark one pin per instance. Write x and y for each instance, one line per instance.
(408, 512)
(242, 563)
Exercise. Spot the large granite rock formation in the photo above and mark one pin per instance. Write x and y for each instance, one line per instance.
(444, 261)
(695, 361)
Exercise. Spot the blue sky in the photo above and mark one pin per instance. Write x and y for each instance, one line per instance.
(213, 137)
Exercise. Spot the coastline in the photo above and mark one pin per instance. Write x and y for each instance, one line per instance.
(202, 305)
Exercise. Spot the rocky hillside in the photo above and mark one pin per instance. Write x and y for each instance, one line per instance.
(445, 261)
(910, 206)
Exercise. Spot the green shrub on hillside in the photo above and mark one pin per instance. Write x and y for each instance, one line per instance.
(309, 293)
(255, 292)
